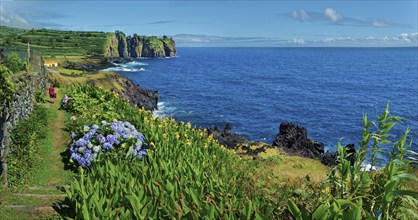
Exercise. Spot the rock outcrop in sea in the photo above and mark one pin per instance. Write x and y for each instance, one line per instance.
(292, 139)
(118, 45)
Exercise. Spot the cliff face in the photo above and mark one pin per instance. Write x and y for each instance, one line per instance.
(110, 81)
(119, 45)
(127, 90)
(111, 46)
(122, 44)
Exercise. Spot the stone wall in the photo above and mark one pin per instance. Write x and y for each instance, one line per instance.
(27, 84)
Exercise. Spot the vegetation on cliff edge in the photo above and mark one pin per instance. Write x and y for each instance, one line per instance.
(188, 174)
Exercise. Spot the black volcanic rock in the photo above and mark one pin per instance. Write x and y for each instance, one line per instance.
(141, 97)
(351, 152)
(130, 91)
(227, 137)
(331, 159)
(237, 142)
(89, 66)
(294, 140)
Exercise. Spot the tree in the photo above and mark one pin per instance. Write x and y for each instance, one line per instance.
(6, 94)
(13, 62)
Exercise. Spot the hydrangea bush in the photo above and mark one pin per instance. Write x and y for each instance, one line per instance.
(116, 138)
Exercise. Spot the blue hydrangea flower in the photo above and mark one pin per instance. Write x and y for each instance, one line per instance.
(94, 127)
(81, 142)
(110, 138)
(96, 149)
(85, 146)
(107, 146)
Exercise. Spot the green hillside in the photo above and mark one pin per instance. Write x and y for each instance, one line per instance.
(5, 31)
(54, 42)
(85, 43)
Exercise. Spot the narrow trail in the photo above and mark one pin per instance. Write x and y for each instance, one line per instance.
(59, 141)
(42, 198)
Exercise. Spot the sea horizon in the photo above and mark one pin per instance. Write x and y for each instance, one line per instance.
(189, 98)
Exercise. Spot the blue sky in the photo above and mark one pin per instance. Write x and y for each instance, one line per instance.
(230, 23)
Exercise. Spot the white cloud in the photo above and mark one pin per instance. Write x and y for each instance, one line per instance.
(403, 39)
(380, 23)
(328, 40)
(332, 15)
(297, 41)
(413, 37)
(12, 19)
(300, 15)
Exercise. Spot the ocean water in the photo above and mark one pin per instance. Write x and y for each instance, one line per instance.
(326, 90)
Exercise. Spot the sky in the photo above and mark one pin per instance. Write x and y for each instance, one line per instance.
(230, 23)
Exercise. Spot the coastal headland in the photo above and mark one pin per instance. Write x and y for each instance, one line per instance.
(101, 153)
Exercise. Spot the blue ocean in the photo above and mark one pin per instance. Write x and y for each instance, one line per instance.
(326, 90)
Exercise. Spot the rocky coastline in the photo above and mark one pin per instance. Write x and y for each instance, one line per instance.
(292, 139)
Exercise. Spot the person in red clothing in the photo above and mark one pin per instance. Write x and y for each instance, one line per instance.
(52, 93)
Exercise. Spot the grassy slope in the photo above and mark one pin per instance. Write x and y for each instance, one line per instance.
(288, 168)
(106, 80)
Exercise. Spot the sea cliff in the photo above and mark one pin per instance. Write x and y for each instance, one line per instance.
(118, 45)
(134, 94)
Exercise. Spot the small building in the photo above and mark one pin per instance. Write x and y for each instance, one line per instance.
(50, 63)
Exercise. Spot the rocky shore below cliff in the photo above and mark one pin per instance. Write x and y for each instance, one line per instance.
(292, 139)
(111, 81)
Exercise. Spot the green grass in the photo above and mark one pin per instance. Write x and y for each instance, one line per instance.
(45, 172)
(67, 71)
(7, 198)
(48, 170)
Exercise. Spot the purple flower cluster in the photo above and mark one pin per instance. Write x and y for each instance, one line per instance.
(87, 144)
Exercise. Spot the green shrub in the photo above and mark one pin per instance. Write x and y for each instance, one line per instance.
(356, 193)
(14, 63)
(27, 138)
(40, 97)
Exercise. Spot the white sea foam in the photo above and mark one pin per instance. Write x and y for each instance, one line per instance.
(368, 167)
(164, 110)
(132, 63)
(160, 111)
(123, 69)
